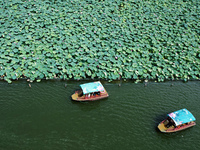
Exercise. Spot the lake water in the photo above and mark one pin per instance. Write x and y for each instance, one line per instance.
(43, 117)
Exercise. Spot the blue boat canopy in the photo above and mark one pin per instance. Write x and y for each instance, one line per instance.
(181, 116)
(92, 87)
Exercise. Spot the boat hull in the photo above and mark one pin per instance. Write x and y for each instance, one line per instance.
(75, 97)
(162, 127)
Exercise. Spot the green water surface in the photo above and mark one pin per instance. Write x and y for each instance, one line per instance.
(43, 117)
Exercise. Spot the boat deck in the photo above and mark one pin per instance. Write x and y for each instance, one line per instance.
(162, 127)
(76, 97)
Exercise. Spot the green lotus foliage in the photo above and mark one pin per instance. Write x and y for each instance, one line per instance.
(107, 39)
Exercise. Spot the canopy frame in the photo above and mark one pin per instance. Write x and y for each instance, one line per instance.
(181, 116)
(92, 87)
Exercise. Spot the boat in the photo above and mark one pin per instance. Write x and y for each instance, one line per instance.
(90, 92)
(177, 121)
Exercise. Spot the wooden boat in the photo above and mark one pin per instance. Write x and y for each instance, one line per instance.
(90, 92)
(176, 121)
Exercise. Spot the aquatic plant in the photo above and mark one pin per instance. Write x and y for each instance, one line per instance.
(77, 39)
